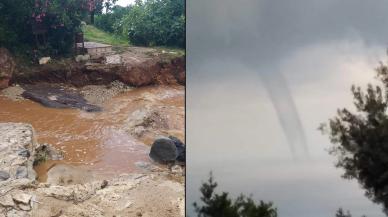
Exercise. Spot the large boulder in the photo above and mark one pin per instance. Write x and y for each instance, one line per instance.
(181, 148)
(17, 146)
(163, 151)
(7, 67)
(168, 150)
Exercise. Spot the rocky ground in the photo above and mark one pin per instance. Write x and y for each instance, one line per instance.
(98, 94)
(93, 94)
(71, 192)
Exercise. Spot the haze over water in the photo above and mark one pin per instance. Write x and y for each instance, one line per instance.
(237, 107)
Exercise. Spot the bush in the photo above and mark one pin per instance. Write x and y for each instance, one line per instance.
(156, 23)
(61, 19)
(111, 22)
(15, 25)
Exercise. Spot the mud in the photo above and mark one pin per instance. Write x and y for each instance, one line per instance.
(102, 141)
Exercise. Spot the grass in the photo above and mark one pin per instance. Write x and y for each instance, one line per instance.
(91, 33)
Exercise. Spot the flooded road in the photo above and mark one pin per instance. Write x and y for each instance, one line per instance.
(100, 141)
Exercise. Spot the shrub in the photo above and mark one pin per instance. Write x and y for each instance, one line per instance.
(156, 23)
(111, 21)
(61, 19)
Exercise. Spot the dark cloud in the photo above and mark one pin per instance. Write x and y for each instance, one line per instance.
(261, 31)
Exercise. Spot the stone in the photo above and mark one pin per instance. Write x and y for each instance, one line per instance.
(4, 175)
(76, 193)
(16, 141)
(7, 201)
(7, 67)
(44, 60)
(113, 59)
(21, 172)
(22, 198)
(181, 149)
(17, 213)
(24, 207)
(163, 151)
(56, 97)
(82, 58)
(177, 170)
(24, 153)
(143, 165)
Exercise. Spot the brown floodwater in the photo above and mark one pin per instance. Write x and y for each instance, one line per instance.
(98, 141)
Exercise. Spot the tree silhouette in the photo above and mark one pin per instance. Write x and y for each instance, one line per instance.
(341, 213)
(220, 205)
(360, 139)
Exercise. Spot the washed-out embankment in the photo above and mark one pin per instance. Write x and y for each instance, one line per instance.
(100, 159)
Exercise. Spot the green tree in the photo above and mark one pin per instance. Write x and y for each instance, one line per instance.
(215, 205)
(360, 138)
(59, 18)
(96, 7)
(15, 22)
(156, 23)
(111, 21)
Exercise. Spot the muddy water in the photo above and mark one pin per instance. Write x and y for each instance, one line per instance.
(98, 141)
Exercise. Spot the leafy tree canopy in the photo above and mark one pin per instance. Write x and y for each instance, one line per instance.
(360, 138)
(156, 23)
(215, 205)
(58, 20)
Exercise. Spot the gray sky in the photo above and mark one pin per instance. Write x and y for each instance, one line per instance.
(258, 67)
(125, 2)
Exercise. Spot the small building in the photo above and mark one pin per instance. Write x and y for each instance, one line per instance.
(96, 50)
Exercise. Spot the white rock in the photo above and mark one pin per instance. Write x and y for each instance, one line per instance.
(24, 207)
(82, 58)
(22, 198)
(52, 97)
(176, 169)
(17, 213)
(6, 201)
(44, 60)
(113, 59)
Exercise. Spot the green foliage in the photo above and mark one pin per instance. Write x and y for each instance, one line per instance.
(360, 139)
(15, 23)
(111, 21)
(60, 18)
(215, 205)
(63, 19)
(156, 23)
(91, 33)
(97, 6)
